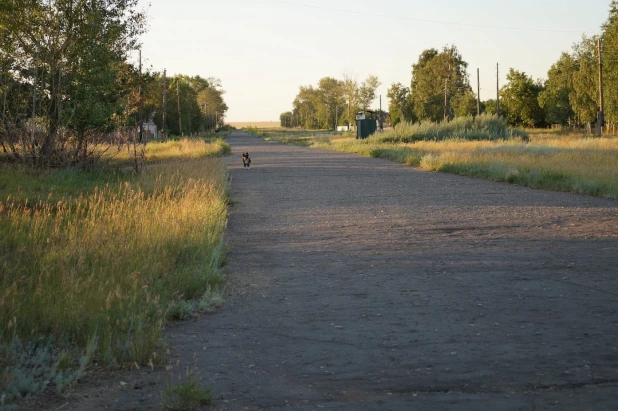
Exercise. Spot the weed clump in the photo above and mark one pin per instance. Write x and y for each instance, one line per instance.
(186, 394)
(32, 367)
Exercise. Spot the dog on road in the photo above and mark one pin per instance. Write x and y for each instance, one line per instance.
(246, 161)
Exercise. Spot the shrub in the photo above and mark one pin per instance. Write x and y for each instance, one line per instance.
(483, 127)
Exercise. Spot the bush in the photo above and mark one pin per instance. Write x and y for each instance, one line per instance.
(483, 127)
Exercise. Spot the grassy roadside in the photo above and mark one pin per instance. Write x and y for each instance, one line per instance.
(542, 159)
(93, 263)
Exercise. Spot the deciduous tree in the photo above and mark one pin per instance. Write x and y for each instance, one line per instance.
(398, 106)
(367, 91)
(520, 97)
(435, 76)
(69, 57)
(555, 98)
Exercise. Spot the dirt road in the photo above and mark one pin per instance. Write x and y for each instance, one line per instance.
(358, 283)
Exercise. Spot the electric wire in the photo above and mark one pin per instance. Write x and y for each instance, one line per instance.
(451, 23)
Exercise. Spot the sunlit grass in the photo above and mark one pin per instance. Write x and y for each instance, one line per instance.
(157, 151)
(105, 254)
(549, 160)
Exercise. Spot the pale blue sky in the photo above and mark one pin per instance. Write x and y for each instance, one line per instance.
(263, 50)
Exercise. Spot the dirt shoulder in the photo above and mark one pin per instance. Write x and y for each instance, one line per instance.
(358, 283)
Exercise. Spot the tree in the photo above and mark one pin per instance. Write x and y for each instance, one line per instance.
(305, 106)
(350, 93)
(584, 98)
(70, 59)
(286, 119)
(437, 78)
(520, 97)
(398, 99)
(330, 92)
(367, 91)
(202, 106)
(555, 98)
(464, 104)
(490, 107)
(328, 104)
(213, 106)
(610, 80)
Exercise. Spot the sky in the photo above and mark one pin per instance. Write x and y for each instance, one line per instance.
(264, 50)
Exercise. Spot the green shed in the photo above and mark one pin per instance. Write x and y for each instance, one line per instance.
(365, 125)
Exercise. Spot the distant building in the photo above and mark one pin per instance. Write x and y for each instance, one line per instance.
(150, 130)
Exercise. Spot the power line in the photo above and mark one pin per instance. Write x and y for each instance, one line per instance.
(451, 23)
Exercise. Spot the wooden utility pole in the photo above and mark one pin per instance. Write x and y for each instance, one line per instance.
(403, 103)
(497, 89)
(601, 114)
(445, 89)
(139, 102)
(478, 92)
(164, 125)
(189, 110)
(36, 78)
(349, 123)
(381, 121)
(6, 81)
(178, 96)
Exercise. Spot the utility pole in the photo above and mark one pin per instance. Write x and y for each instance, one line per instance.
(349, 114)
(497, 89)
(139, 103)
(381, 121)
(445, 89)
(189, 109)
(36, 78)
(164, 105)
(403, 103)
(601, 114)
(478, 92)
(178, 96)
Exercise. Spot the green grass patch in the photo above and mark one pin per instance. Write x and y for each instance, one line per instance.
(186, 396)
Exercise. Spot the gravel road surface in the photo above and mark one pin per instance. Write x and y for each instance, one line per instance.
(358, 283)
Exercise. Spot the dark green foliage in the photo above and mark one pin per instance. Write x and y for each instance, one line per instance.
(65, 76)
(434, 75)
(554, 99)
(520, 98)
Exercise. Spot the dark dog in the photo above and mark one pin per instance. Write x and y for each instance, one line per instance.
(246, 161)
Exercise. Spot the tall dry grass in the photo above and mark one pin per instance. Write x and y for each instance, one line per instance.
(158, 151)
(568, 162)
(578, 165)
(105, 263)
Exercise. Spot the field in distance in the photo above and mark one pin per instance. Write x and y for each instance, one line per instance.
(255, 124)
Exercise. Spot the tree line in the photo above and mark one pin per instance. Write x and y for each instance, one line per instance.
(331, 103)
(67, 82)
(193, 104)
(440, 90)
